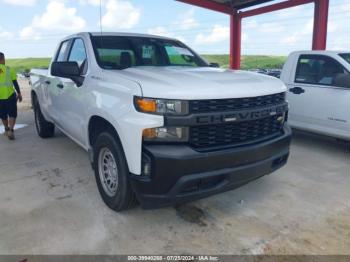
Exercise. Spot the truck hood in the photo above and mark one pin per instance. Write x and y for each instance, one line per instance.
(202, 83)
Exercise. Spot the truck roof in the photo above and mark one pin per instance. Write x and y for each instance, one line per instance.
(119, 34)
(321, 52)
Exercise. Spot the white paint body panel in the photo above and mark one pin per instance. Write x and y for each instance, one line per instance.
(110, 93)
(321, 109)
(202, 83)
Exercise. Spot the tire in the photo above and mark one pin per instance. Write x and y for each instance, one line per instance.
(44, 128)
(112, 172)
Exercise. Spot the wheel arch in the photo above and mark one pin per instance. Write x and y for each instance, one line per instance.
(33, 96)
(98, 124)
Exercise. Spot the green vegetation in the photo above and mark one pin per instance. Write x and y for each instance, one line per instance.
(21, 65)
(248, 62)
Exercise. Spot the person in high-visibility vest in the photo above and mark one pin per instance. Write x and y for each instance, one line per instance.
(10, 93)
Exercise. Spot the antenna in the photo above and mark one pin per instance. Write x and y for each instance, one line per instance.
(101, 17)
(101, 37)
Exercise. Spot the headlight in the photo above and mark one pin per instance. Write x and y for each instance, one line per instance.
(166, 134)
(161, 106)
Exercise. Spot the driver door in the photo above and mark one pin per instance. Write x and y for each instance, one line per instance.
(72, 99)
(54, 87)
(316, 104)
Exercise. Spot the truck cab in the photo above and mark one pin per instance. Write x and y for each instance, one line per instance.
(318, 85)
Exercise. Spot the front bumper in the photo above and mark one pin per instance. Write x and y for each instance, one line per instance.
(180, 174)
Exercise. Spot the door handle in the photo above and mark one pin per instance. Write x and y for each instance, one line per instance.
(297, 90)
(47, 82)
(60, 86)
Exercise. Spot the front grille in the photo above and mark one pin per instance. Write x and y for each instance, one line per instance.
(234, 134)
(223, 105)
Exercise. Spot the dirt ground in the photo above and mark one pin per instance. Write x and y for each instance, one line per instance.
(25, 90)
(49, 204)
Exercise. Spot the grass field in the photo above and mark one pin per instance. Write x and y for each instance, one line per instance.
(248, 62)
(21, 65)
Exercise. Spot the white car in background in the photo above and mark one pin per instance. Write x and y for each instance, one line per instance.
(318, 85)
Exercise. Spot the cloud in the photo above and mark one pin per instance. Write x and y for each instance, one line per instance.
(186, 21)
(300, 35)
(309, 27)
(245, 38)
(332, 26)
(218, 33)
(289, 12)
(121, 14)
(5, 35)
(339, 43)
(345, 7)
(290, 40)
(21, 2)
(162, 31)
(250, 24)
(271, 28)
(57, 17)
(90, 2)
(29, 33)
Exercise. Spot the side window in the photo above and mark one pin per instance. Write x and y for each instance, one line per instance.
(61, 55)
(179, 56)
(78, 54)
(318, 70)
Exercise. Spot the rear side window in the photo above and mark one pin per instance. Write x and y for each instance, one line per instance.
(318, 70)
(61, 55)
(78, 54)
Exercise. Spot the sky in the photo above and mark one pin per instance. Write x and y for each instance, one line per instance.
(33, 28)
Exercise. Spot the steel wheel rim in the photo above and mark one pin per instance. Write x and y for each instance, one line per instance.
(108, 172)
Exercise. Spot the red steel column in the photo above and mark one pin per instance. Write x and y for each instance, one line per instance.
(319, 41)
(235, 40)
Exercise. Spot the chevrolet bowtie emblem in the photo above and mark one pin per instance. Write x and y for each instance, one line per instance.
(280, 119)
(230, 119)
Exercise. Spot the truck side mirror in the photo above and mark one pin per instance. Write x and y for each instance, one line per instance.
(342, 80)
(214, 65)
(69, 70)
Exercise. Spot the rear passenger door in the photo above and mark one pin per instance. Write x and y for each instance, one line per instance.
(315, 103)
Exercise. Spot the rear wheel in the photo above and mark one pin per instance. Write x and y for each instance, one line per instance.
(111, 172)
(44, 128)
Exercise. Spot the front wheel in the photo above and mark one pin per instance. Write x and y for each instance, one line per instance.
(44, 128)
(111, 172)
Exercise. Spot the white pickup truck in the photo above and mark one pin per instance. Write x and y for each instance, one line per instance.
(319, 92)
(161, 125)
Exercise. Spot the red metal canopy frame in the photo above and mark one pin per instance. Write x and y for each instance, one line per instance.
(319, 41)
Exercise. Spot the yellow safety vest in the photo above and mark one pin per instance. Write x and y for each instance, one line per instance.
(6, 85)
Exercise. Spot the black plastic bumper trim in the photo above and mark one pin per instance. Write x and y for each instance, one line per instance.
(181, 174)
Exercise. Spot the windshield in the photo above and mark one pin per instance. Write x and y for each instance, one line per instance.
(346, 57)
(121, 52)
